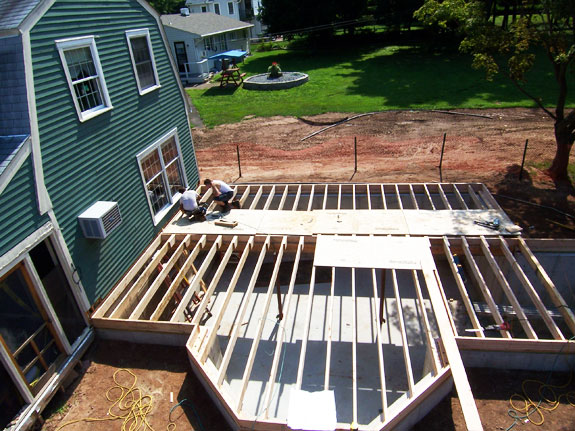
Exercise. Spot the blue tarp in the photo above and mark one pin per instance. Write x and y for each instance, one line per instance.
(236, 53)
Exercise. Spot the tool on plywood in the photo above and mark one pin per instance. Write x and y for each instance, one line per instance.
(494, 224)
(226, 223)
(505, 326)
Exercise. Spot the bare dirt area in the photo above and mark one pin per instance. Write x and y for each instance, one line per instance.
(399, 146)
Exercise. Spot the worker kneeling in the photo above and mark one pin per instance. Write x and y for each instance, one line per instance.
(189, 205)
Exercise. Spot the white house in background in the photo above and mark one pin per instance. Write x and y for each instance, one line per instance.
(243, 10)
(195, 37)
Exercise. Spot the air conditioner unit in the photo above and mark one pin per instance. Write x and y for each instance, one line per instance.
(100, 219)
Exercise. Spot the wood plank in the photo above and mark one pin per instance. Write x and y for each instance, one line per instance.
(354, 348)
(462, 290)
(240, 317)
(383, 197)
(483, 287)
(404, 343)
(256, 198)
(503, 283)
(353, 196)
(214, 282)
(160, 278)
(368, 192)
(376, 324)
(428, 195)
(281, 332)
(142, 326)
(270, 198)
(117, 291)
(263, 320)
(517, 345)
(233, 282)
(305, 338)
(339, 197)
(325, 195)
(443, 197)
(245, 196)
(549, 322)
(488, 198)
(470, 413)
(399, 202)
(192, 288)
(181, 276)
(554, 294)
(131, 297)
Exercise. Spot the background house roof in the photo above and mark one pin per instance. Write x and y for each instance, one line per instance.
(203, 24)
(13, 12)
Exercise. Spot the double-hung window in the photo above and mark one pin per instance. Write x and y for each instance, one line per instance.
(143, 61)
(231, 8)
(217, 8)
(163, 174)
(85, 76)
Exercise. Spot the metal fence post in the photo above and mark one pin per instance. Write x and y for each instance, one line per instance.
(523, 161)
(239, 164)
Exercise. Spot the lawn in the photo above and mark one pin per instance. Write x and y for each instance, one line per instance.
(371, 79)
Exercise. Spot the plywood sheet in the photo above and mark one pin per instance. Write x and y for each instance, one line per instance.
(248, 222)
(455, 222)
(361, 222)
(371, 252)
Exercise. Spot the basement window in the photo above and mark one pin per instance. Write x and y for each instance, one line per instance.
(143, 61)
(162, 170)
(85, 77)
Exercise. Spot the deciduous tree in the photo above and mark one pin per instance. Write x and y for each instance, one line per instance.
(537, 27)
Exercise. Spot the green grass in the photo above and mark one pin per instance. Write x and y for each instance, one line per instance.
(371, 79)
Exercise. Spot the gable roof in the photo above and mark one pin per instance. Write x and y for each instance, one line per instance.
(203, 24)
(13, 12)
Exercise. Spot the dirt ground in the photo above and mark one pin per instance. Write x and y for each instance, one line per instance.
(402, 146)
(163, 370)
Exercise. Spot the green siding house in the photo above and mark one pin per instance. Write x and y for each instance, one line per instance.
(94, 144)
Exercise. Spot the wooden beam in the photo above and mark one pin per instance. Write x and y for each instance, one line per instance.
(270, 198)
(399, 202)
(404, 344)
(470, 413)
(192, 288)
(549, 322)
(142, 326)
(241, 314)
(214, 282)
(474, 197)
(376, 324)
(413, 199)
(325, 195)
(353, 205)
(462, 289)
(339, 197)
(459, 197)
(179, 277)
(121, 286)
(483, 287)
(245, 196)
(427, 328)
(281, 333)
(160, 278)
(304, 340)
(507, 290)
(517, 345)
(310, 202)
(383, 197)
(443, 197)
(256, 198)
(554, 294)
(297, 198)
(283, 199)
(228, 296)
(131, 297)
(426, 190)
(263, 320)
(354, 348)
(329, 331)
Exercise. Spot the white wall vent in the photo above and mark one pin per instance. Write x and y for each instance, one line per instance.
(100, 219)
(185, 11)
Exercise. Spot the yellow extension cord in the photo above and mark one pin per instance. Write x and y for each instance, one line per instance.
(546, 394)
(128, 404)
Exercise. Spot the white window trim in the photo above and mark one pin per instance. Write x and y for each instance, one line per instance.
(173, 199)
(138, 33)
(81, 42)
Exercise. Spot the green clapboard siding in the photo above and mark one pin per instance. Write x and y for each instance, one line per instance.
(96, 160)
(20, 216)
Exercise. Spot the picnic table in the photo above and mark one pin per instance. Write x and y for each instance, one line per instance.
(232, 75)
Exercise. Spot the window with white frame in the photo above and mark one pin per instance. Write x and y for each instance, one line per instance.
(85, 77)
(231, 8)
(204, 9)
(143, 61)
(217, 8)
(163, 174)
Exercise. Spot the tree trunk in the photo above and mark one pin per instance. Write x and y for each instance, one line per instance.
(558, 169)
